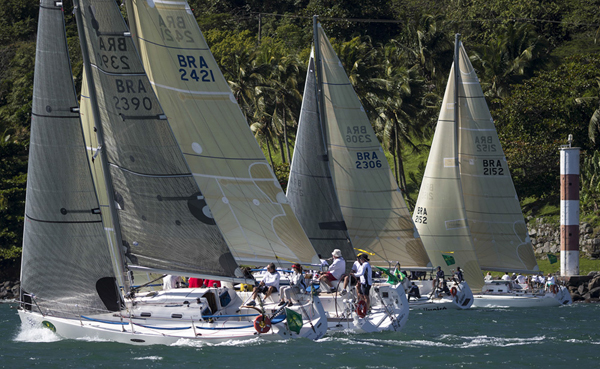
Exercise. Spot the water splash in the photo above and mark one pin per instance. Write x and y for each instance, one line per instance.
(32, 333)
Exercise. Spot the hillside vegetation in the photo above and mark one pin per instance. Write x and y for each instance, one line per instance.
(538, 62)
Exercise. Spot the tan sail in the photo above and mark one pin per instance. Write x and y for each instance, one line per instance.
(495, 218)
(439, 214)
(239, 186)
(376, 215)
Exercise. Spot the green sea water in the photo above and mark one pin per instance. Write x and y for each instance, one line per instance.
(562, 337)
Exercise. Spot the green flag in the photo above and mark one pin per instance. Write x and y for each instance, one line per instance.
(294, 320)
(449, 259)
(552, 258)
(393, 277)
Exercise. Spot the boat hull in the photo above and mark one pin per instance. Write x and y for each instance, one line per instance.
(523, 299)
(463, 299)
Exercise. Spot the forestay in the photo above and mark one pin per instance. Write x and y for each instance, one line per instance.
(162, 213)
(376, 215)
(244, 196)
(65, 257)
(310, 188)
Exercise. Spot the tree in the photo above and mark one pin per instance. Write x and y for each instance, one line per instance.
(537, 118)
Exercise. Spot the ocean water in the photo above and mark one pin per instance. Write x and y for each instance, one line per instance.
(562, 337)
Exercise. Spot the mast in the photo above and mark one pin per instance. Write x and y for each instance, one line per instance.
(456, 103)
(120, 264)
(319, 84)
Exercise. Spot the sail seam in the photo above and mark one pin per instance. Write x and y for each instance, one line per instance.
(54, 116)
(172, 47)
(183, 175)
(223, 157)
(65, 221)
(118, 74)
(228, 94)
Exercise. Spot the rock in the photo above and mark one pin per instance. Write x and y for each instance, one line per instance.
(3, 293)
(595, 293)
(594, 283)
(582, 289)
(576, 297)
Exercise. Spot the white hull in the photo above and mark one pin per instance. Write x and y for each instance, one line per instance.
(169, 316)
(462, 300)
(389, 310)
(498, 293)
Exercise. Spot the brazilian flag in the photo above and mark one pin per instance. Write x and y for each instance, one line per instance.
(449, 259)
(294, 320)
(393, 277)
(552, 258)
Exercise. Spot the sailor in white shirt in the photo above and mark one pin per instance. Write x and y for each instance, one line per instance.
(336, 269)
(366, 278)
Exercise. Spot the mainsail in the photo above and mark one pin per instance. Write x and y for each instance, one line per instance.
(237, 183)
(163, 218)
(310, 188)
(65, 262)
(469, 206)
(376, 215)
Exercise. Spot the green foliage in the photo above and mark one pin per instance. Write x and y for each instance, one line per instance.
(13, 178)
(282, 172)
(590, 182)
(537, 118)
(18, 20)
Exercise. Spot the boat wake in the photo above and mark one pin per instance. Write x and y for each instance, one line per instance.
(29, 333)
(447, 341)
(232, 343)
(152, 358)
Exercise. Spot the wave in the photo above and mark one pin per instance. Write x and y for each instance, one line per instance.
(30, 333)
(153, 358)
(446, 341)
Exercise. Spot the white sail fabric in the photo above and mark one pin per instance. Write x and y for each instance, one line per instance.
(162, 213)
(440, 215)
(65, 255)
(495, 218)
(310, 189)
(376, 215)
(239, 186)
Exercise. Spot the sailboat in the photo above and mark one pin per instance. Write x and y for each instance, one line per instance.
(244, 196)
(341, 186)
(72, 281)
(467, 212)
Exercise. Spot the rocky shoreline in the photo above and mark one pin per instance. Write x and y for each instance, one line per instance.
(10, 290)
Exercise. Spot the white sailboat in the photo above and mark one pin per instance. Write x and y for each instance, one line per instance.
(238, 185)
(341, 186)
(69, 283)
(468, 211)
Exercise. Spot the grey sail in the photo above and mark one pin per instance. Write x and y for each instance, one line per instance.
(164, 221)
(65, 257)
(310, 190)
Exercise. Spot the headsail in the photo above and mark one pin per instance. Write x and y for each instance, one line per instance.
(65, 258)
(239, 186)
(440, 214)
(376, 215)
(494, 213)
(164, 221)
(310, 188)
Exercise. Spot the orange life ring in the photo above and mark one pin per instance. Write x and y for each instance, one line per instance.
(361, 308)
(554, 289)
(262, 324)
(453, 291)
